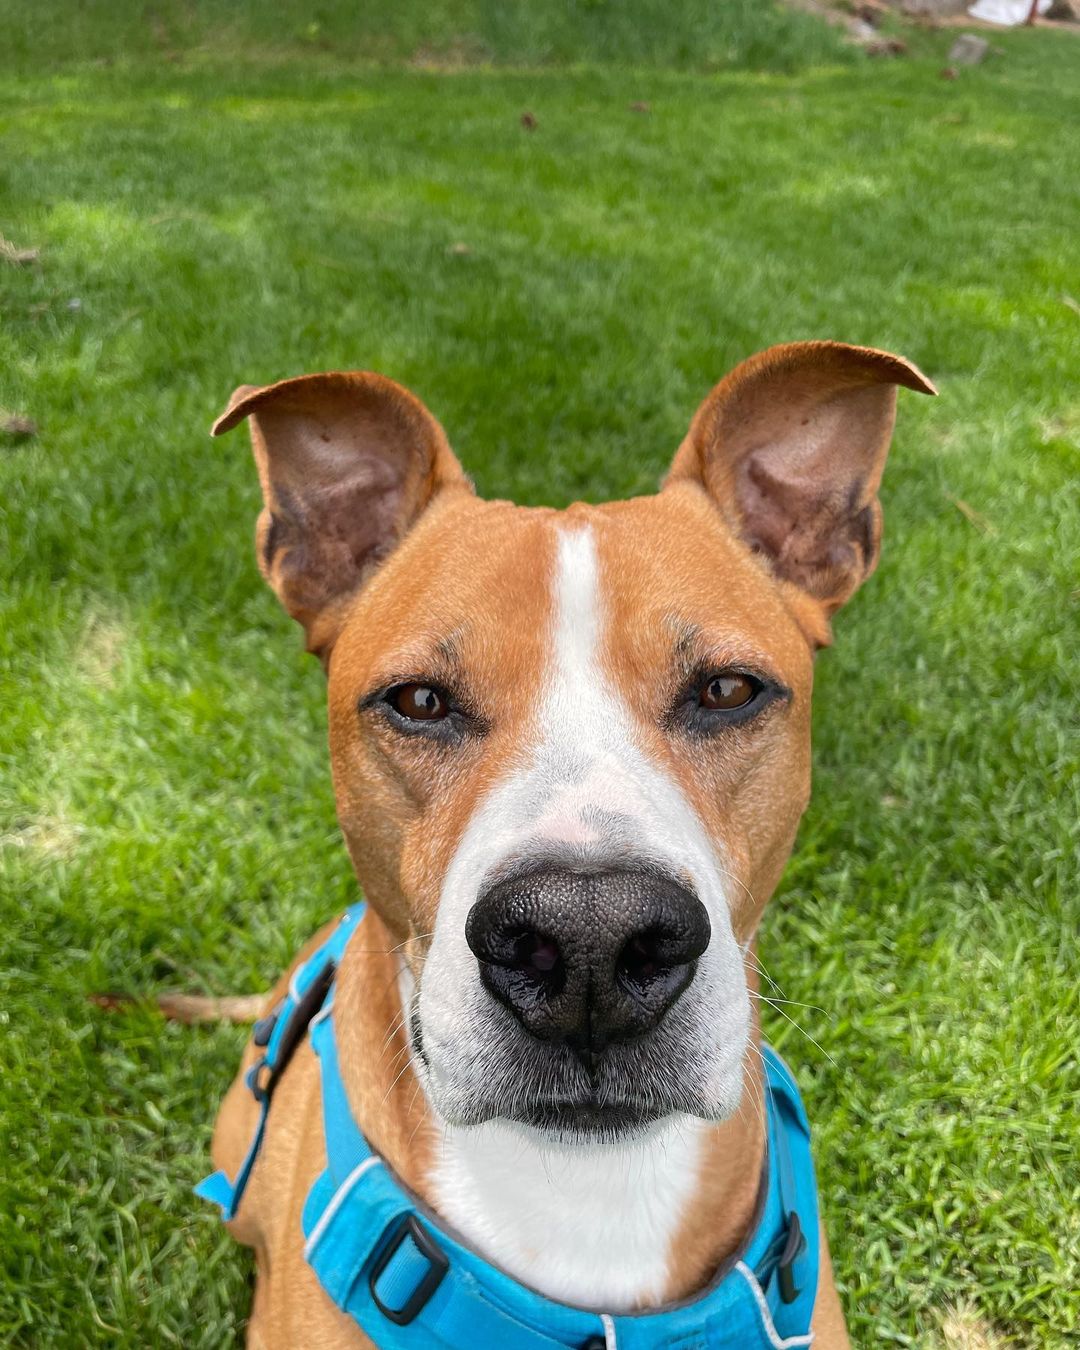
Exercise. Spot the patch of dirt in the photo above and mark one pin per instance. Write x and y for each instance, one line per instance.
(100, 650)
(1065, 426)
(51, 836)
(860, 18)
(461, 54)
(963, 1329)
(16, 426)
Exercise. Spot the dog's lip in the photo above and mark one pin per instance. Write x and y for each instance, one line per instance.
(588, 1116)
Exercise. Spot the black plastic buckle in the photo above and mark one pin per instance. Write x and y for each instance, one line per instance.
(263, 1076)
(794, 1247)
(438, 1264)
(264, 1029)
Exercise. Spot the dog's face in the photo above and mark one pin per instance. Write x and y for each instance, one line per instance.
(571, 749)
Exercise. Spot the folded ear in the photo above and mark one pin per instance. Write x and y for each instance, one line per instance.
(791, 445)
(347, 462)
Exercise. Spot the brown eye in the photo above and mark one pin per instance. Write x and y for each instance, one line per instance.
(728, 691)
(418, 702)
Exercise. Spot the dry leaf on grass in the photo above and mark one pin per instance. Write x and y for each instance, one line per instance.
(975, 517)
(19, 256)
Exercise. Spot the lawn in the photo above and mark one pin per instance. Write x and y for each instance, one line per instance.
(215, 212)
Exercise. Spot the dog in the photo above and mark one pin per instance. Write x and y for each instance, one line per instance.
(570, 750)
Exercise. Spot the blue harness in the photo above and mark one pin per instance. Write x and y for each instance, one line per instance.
(383, 1257)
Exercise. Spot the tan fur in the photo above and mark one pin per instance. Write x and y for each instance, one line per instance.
(679, 574)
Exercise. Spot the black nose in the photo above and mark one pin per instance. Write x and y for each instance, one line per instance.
(587, 959)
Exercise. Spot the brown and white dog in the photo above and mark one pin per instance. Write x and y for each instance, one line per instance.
(570, 751)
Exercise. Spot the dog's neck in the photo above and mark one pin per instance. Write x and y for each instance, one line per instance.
(614, 1227)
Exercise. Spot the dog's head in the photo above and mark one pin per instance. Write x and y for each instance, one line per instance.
(571, 748)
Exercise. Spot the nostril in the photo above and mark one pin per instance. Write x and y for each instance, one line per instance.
(522, 968)
(535, 956)
(657, 963)
(518, 960)
(640, 961)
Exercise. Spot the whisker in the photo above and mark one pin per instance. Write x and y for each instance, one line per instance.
(791, 1003)
(816, 1044)
(759, 966)
(404, 1069)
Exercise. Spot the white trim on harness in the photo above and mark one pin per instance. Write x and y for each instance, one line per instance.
(295, 992)
(336, 1202)
(610, 1343)
(766, 1317)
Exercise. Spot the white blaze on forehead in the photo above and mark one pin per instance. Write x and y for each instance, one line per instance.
(572, 719)
(577, 602)
(587, 741)
(594, 782)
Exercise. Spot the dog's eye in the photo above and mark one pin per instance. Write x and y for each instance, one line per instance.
(714, 701)
(418, 702)
(727, 691)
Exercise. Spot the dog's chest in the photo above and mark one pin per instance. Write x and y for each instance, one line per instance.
(592, 1226)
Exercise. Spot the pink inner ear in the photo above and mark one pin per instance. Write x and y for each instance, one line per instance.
(320, 544)
(791, 445)
(804, 527)
(804, 493)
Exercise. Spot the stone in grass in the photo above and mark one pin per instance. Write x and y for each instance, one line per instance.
(886, 47)
(968, 50)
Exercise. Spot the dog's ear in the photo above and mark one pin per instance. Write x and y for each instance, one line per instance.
(791, 446)
(347, 462)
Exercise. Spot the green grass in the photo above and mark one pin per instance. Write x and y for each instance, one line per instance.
(165, 808)
(697, 34)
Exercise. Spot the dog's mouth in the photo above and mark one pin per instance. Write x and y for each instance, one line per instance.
(551, 1093)
(590, 1120)
(583, 1117)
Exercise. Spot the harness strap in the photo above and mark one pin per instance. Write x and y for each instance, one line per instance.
(280, 1032)
(781, 1270)
(346, 1147)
